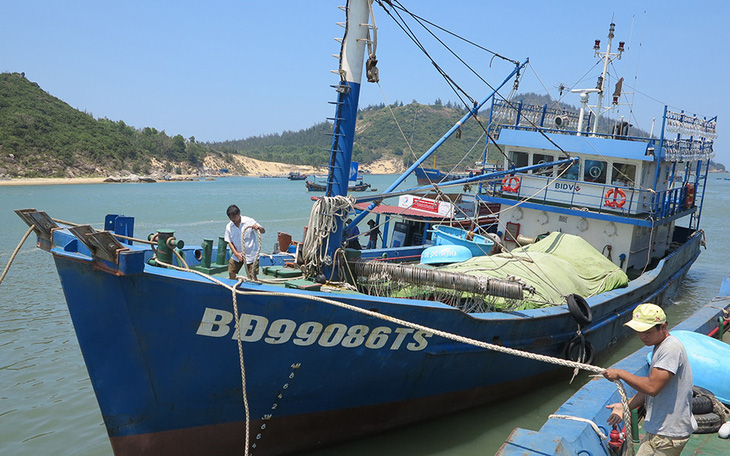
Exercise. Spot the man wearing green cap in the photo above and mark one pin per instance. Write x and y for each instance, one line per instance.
(667, 391)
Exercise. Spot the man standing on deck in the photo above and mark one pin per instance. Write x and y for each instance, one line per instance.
(237, 227)
(667, 391)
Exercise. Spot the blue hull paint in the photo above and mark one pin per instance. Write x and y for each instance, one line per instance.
(563, 437)
(155, 377)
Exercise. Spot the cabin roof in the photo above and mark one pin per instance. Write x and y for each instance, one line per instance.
(581, 145)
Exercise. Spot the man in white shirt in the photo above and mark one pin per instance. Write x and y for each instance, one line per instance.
(667, 391)
(240, 231)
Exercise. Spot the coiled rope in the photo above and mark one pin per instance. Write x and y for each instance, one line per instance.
(323, 219)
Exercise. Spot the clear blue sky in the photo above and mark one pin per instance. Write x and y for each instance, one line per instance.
(221, 70)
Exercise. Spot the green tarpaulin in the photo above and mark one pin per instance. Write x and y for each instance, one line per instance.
(555, 266)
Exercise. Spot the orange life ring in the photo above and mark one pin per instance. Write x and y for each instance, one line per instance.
(690, 192)
(615, 198)
(511, 184)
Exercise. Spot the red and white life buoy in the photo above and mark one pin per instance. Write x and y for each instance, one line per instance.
(615, 198)
(690, 193)
(511, 184)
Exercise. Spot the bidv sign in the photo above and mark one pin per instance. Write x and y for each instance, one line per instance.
(218, 323)
(567, 187)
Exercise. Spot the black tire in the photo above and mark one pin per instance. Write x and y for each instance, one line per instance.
(579, 346)
(701, 405)
(579, 309)
(700, 391)
(708, 423)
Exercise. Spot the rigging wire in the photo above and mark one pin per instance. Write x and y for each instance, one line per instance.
(507, 100)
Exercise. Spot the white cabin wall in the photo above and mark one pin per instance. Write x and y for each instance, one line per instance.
(597, 233)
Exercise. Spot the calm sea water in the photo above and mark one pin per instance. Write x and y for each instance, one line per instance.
(47, 404)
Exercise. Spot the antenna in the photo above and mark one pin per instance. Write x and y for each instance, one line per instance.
(607, 57)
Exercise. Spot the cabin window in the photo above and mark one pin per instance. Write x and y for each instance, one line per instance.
(572, 172)
(538, 159)
(519, 159)
(623, 174)
(594, 171)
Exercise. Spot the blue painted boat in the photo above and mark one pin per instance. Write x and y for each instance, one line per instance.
(560, 436)
(159, 326)
(445, 254)
(710, 361)
(449, 235)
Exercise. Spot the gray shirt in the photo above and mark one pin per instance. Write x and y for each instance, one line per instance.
(669, 413)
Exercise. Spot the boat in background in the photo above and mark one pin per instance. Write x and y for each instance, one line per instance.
(560, 436)
(296, 176)
(334, 347)
(314, 186)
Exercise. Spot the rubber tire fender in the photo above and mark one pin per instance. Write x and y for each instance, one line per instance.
(574, 347)
(701, 405)
(708, 423)
(579, 309)
(702, 400)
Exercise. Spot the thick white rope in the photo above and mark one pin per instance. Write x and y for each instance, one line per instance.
(243, 249)
(323, 218)
(243, 370)
(582, 420)
(15, 252)
(444, 334)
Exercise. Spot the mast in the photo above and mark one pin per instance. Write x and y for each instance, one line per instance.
(352, 53)
(352, 56)
(607, 57)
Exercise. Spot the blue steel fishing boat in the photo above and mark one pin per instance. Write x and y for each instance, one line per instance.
(375, 346)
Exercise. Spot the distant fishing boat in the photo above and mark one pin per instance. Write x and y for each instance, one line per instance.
(296, 175)
(320, 187)
(333, 347)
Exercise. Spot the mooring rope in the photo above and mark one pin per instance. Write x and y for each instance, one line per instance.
(582, 420)
(243, 370)
(243, 250)
(15, 252)
(436, 332)
(446, 335)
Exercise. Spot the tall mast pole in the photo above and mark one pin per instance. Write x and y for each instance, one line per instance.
(602, 80)
(352, 58)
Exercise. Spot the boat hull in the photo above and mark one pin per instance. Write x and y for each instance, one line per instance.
(161, 352)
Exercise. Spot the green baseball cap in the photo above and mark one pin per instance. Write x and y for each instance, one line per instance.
(646, 316)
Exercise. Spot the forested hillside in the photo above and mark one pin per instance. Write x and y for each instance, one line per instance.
(42, 136)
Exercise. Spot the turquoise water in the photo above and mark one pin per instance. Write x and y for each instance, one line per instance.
(47, 404)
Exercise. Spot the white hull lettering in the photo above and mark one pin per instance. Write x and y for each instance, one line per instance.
(255, 328)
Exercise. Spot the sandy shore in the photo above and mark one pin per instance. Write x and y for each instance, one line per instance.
(53, 181)
(253, 167)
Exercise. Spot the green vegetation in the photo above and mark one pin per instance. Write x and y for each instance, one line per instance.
(41, 136)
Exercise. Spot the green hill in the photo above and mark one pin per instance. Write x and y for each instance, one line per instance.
(42, 136)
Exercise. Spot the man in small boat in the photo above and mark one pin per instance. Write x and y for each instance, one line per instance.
(666, 392)
(372, 234)
(246, 226)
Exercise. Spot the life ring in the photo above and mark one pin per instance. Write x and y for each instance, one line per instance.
(511, 184)
(615, 197)
(689, 201)
(580, 350)
(579, 309)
